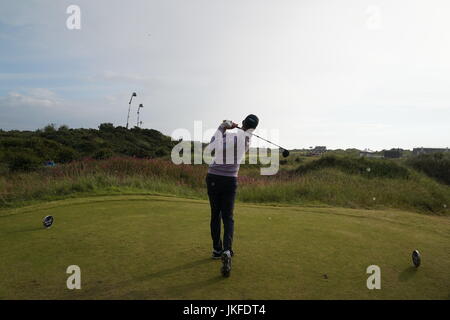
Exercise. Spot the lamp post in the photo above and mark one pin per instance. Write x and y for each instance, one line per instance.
(139, 108)
(129, 107)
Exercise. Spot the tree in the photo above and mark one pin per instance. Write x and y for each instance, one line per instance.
(107, 127)
(50, 128)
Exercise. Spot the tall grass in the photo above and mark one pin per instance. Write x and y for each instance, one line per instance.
(115, 175)
(324, 182)
(369, 168)
(334, 187)
(435, 165)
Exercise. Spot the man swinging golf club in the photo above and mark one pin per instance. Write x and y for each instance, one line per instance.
(221, 181)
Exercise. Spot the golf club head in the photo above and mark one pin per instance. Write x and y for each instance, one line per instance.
(285, 153)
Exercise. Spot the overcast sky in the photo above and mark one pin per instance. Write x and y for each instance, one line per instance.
(349, 73)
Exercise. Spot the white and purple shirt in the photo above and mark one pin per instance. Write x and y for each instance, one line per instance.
(230, 149)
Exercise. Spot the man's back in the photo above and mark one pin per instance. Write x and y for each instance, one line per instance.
(230, 149)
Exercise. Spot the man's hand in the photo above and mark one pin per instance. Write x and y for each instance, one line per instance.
(228, 124)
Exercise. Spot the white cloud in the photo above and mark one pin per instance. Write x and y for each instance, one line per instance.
(35, 97)
(125, 77)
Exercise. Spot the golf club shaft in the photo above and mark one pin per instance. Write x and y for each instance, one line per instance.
(264, 139)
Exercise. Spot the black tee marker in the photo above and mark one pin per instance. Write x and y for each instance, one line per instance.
(416, 258)
(48, 221)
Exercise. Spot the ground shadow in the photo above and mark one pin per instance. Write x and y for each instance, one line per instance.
(193, 286)
(407, 274)
(27, 230)
(176, 269)
(144, 294)
(183, 289)
(174, 292)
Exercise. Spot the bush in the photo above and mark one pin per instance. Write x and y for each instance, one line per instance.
(50, 128)
(66, 154)
(161, 152)
(65, 145)
(22, 161)
(435, 165)
(103, 154)
(63, 128)
(106, 127)
(3, 169)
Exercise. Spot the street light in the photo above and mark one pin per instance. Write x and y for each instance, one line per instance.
(129, 107)
(139, 108)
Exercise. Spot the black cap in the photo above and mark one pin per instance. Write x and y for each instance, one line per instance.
(251, 121)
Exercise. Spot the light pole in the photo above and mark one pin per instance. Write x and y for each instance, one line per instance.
(139, 108)
(129, 107)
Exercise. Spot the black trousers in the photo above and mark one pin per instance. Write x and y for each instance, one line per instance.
(221, 193)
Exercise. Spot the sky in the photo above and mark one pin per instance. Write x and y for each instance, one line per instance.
(343, 74)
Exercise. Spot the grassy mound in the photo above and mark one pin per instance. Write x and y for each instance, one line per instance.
(369, 168)
(392, 188)
(333, 187)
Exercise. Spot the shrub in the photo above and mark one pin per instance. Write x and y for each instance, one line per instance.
(63, 128)
(66, 154)
(106, 127)
(103, 154)
(435, 165)
(65, 145)
(3, 169)
(50, 128)
(22, 161)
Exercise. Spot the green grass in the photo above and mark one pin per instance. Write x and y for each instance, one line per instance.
(386, 185)
(336, 188)
(153, 247)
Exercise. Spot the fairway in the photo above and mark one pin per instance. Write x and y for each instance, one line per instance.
(155, 247)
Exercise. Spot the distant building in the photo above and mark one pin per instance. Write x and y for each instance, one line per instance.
(317, 151)
(393, 153)
(320, 149)
(368, 154)
(422, 150)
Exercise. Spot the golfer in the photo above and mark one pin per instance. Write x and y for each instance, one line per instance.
(221, 181)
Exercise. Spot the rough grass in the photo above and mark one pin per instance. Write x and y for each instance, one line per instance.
(334, 187)
(369, 168)
(141, 247)
(318, 182)
(435, 165)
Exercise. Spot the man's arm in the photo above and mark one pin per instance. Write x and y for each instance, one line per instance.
(225, 125)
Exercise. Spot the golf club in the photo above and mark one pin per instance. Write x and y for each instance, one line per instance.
(285, 151)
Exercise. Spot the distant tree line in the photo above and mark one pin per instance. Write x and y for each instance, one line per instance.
(29, 150)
